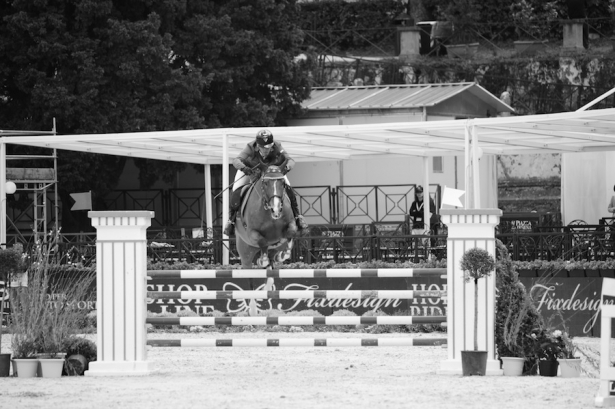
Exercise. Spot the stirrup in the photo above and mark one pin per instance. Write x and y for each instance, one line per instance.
(301, 223)
(229, 229)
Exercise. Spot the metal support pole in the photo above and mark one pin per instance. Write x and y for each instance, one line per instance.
(225, 197)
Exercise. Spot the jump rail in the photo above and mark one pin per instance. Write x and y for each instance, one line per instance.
(297, 294)
(302, 273)
(382, 320)
(299, 342)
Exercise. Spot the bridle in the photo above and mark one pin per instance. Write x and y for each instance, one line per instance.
(273, 173)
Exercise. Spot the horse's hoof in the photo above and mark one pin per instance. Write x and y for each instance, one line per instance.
(263, 262)
(284, 255)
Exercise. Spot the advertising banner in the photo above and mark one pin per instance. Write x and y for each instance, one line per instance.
(571, 303)
(566, 302)
(422, 307)
(4, 299)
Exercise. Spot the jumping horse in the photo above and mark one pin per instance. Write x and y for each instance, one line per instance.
(265, 225)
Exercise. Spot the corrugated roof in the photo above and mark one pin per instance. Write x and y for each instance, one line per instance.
(406, 96)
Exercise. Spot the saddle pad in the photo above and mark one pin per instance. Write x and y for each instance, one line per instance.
(246, 191)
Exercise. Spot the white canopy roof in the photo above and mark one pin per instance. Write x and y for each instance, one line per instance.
(581, 131)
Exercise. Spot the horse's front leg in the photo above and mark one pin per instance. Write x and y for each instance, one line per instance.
(261, 242)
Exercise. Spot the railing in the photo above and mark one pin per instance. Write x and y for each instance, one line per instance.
(388, 242)
(319, 204)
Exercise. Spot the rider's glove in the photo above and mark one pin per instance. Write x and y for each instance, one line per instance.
(247, 170)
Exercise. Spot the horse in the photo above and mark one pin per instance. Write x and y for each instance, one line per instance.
(265, 224)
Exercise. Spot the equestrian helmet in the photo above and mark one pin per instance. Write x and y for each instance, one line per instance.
(264, 138)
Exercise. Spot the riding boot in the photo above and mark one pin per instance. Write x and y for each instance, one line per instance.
(229, 229)
(301, 224)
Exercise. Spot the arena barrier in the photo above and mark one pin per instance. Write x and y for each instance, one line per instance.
(121, 279)
(293, 320)
(604, 397)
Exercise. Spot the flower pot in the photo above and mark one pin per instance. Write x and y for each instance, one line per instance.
(47, 355)
(474, 363)
(548, 368)
(570, 368)
(512, 366)
(75, 365)
(25, 368)
(50, 367)
(465, 51)
(530, 368)
(5, 365)
(529, 47)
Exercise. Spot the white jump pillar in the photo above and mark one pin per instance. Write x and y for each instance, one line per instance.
(121, 254)
(469, 228)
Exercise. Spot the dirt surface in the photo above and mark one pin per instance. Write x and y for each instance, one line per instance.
(377, 377)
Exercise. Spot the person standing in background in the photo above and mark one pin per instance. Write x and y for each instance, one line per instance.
(417, 214)
(611, 207)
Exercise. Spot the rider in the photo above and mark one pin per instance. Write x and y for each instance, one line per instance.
(254, 159)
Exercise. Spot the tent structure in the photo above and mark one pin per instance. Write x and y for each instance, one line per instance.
(573, 132)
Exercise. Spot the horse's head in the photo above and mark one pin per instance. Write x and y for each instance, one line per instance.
(273, 191)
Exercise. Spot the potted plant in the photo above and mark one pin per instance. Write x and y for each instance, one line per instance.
(10, 263)
(532, 25)
(515, 317)
(46, 312)
(549, 347)
(476, 264)
(62, 318)
(463, 16)
(27, 312)
(569, 363)
(79, 353)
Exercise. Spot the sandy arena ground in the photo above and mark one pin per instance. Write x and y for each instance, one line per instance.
(298, 378)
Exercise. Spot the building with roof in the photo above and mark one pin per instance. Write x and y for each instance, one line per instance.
(398, 103)
(357, 105)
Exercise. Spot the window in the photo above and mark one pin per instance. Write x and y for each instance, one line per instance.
(437, 164)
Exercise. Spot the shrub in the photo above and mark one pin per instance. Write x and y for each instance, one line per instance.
(342, 328)
(308, 313)
(78, 346)
(377, 329)
(515, 314)
(186, 312)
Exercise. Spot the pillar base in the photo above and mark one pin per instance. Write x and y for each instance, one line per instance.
(602, 402)
(134, 368)
(453, 367)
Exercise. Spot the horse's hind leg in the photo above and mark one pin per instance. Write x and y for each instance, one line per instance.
(284, 255)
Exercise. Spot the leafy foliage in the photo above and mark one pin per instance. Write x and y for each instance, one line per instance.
(515, 314)
(46, 312)
(349, 25)
(103, 66)
(11, 262)
(476, 263)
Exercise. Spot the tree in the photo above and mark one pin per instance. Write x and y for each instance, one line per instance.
(102, 66)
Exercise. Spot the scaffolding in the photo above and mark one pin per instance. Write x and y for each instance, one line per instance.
(41, 181)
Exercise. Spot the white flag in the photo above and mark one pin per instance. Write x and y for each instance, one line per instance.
(83, 201)
(451, 197)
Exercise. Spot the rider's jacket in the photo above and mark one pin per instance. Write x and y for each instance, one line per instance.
(250, 157)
